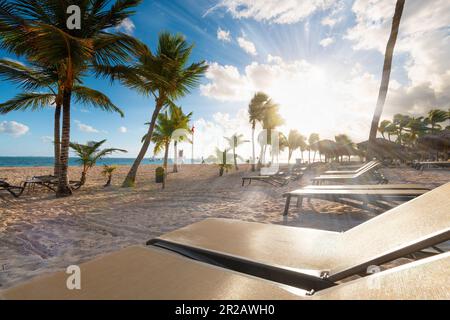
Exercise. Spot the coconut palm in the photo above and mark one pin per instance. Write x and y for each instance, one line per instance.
(89, 154)
(108, 172)
(38, 30)
(36, 77)
(293, 142)
(383, 128)
(435, 117)
(256, 114)
(345, 145)
(415, 128)
(400, 121)
(271, 120)
(234, 142)
(223, 159)
(164, 74)
(166, 125)
(312, 145)
(386, 74)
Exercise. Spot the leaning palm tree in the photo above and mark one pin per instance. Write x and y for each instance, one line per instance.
(386, 75)
(89, 154)
(294, 141)
(36, 77)
(435, 117)
(38, 30)
(400, 122)
(164, 74)
(234, 142)
(108, 172)
(256, 114)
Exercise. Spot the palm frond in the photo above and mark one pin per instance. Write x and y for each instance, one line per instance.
(27, 101)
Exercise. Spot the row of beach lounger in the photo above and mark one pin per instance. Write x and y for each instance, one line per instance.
(431, 164)
(229, 259)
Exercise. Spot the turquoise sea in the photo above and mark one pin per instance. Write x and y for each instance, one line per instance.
(48, 161)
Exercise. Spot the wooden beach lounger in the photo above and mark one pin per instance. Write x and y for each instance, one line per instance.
(346, 171)
(278, 180)
(49, 182)
(288, 255)
(139, 273)
(15, 191)
(366, 175)
(432, 164)
(358, 197)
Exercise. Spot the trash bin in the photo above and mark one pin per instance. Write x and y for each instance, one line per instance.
(159, 175)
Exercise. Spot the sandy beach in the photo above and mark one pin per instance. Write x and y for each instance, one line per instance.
(40, 234)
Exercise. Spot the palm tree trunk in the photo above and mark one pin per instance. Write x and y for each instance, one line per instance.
(253, 146)
(83, 176)
(131, 176)
(386, 75)
(166, 155)
(175, 158)
(63, 179)
(235, 159)
(57, 139)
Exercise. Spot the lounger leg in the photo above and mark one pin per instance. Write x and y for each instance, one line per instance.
(243, 182)
(299, 202)
(286, 207)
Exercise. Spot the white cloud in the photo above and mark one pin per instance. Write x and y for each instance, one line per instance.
(223, 35)
(314, 98)
(423, 36)
(13, 128)
(126, 26)
(326, 42)
(247, 46)
(274, 11)
(47, 139)
(85, 128)
(123, 130)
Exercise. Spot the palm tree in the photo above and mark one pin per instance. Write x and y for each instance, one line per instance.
(165, 75)
(313, 139)
(256, 114)
(222, 159)
(235, 141)
(435, 117)
(416, 128)
(36, 77)
(38, 31)
(400, 121)
(167, 124)
(386, 75)
(271, 120)
(345, 144)
(383, 128)
(108, 172)
(294, 141)
(89, 154)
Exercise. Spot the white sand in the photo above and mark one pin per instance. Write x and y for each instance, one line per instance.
(39, 233)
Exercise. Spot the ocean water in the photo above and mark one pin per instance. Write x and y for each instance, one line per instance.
(48, 161)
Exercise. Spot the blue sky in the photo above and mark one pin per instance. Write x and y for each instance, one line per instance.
(320, 60)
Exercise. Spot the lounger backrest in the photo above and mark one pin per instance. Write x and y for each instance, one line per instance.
(367, 169)
(425, 279)
(415, 225)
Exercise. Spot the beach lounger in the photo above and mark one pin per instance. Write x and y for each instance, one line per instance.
(139, 273)
(368, 174)
(278, 180)
(15, 191)
(50, 182)
(289, 255)
(355, 171)
(355, 197)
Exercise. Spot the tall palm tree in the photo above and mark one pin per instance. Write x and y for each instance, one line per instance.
(271, 120)
(36, 77)
(234, 142)
(294, 141)
(256, 114)
(313, 139)
(435, 117)
(89, 154)
(38, 31)
(164, 74)
(386, 75)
